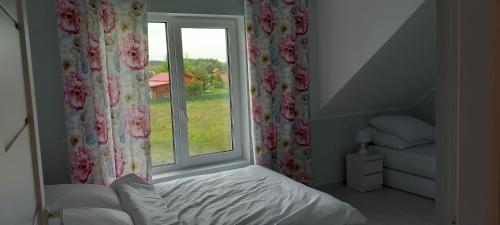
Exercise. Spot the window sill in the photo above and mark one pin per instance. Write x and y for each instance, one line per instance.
(199, 170)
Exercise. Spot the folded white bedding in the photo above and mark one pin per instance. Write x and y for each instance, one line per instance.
(252, 195)
(418, 160)
(392, 141)
(406, 127)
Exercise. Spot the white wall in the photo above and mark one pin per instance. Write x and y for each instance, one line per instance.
(48, 87)
(220, 7)
(331, 140)
(380, 62)
(352, 31)
(48, 78)
(426, 109)
(398, 74)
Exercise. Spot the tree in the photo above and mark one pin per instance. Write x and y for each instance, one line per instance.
(202, 71)
(158, 66)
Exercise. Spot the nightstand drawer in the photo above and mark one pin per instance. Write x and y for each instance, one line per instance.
(372, 167)
(364, 171)
(373, 180)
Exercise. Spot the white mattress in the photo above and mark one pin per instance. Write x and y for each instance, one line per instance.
(418, 161)
(252, 195)
(413, 184)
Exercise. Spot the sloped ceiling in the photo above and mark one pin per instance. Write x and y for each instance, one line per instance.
(384, 60)
(398, 75)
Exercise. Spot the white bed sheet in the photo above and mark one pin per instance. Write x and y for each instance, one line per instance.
(252, 195)
(419, 160)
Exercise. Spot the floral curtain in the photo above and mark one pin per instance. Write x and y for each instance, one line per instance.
(277, 35)
(103, 46)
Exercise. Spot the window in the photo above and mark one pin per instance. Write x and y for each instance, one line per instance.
(198, 90)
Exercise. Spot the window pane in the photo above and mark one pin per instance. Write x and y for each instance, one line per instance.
(162, 143)
(207, 90)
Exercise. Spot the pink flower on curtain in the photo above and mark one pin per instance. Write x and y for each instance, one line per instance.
(101, 127)
(301, 74)
(113, 90)
(302, 132)
(283, 104)
(252, 51)
(134, 52)
(107, 17)
(68, 17)
(266, 18)
(119, 161)
(288, 106)
(270, 136)
(287, 163)
(94, 53)
(74, 91)
(138, 122)
(105, 63)
(301, 20)
(269, 79)
(82, 165)
(287, 49)
(256, 110)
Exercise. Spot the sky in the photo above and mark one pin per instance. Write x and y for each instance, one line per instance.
(197, 43)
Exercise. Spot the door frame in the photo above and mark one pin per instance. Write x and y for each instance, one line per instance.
(494, 175)
(468, 45)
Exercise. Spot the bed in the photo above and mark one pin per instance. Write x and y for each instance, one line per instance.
(412, 170)
(249, 195)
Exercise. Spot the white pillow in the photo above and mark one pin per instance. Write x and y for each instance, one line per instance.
(393, 141)
(406, 127)
(95, 216)
(141, 201)
(80, 195)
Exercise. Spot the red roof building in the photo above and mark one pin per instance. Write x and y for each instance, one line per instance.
(160, 84)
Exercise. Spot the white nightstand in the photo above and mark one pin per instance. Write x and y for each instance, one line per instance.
(364, 172)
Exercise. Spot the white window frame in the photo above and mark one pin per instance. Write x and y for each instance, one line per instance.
(239, 91)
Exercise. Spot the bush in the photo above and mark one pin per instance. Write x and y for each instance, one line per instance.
(204, 79)
(207, 82)
(195, 87)
(216, 82)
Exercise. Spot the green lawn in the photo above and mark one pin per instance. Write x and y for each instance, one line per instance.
(209, 126)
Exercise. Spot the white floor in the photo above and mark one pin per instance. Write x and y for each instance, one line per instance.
(386, 206)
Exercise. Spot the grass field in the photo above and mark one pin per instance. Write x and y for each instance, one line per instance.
(209, 126)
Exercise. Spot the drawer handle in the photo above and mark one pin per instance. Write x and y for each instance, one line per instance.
(11, 142)
(371, 160)
(369, 174)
